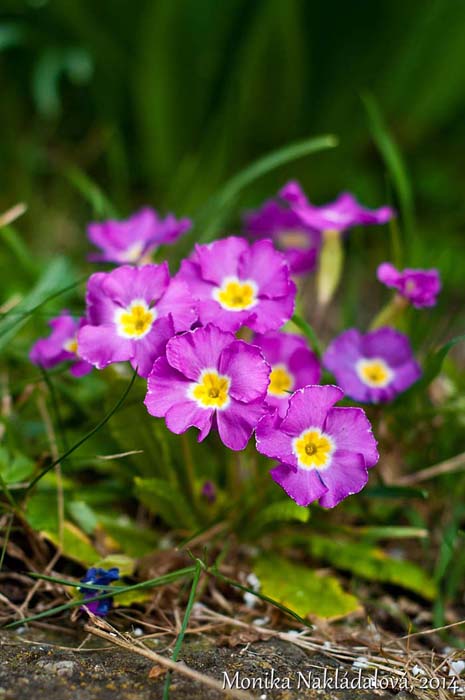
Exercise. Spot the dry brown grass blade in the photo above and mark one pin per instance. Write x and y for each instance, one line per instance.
(454, 464)
(102, 629)
(12, 214)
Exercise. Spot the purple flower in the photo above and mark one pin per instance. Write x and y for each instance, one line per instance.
(293, 366)
(420, 287)
(132, 240)
(239, 284)
(340, 215)
(209, 491)
(210, 379)
(132, 312)
(324, 452)
(61, 345)
(98, 577)
(299, 243)
(374, 367)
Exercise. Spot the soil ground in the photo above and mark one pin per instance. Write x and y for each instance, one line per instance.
(44, 670)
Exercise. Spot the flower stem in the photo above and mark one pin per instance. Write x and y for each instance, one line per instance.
(391, 313)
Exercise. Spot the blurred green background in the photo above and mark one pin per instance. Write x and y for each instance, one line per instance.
(160, 101)
(163, 99)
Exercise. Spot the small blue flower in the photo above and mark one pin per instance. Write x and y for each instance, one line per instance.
(99, 577)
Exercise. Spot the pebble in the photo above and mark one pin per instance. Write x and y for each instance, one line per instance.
(59, 668)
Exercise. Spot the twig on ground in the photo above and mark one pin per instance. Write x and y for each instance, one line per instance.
(102, 629)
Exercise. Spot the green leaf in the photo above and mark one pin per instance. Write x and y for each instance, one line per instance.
(218, 206)
(433, 364)
(52, 283)
(393, 160)
(133, 539)
(101, 205)
(281, 511)
(302, 590)
(126, 565)
(83, 515)
(162, 498)
(308, 332)
(42, 515)
(373, 563)
(16, 467)
(76, 545)
(393, 492)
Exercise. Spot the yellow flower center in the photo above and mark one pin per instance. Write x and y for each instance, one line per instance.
(374, 372)
(313, 449)
(293, 239)
(71, 346)
(281, 381)
(135, 321)
(236, 295)
(211, 391)
(410, 286)
(133, 253)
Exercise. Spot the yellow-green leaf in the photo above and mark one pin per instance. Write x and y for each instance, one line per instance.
(76, 545)
(304, 591)
(367, 561)
(126, 565)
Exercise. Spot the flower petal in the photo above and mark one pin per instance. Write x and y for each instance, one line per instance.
(308, 407)
(273, 442)
(177, 301)
(352, 432)
(220, 259)
(165, 388)
(237, 423)
(147, 349)
(192, 352)
(100, 345)
(186, 415)
(346, 475)
(247, 369)
(304, 485)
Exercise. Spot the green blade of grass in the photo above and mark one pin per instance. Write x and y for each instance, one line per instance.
(308, 332)
(98, 200)
(182, 631)
(115, 591)
(86, 437)
(257, 594)
(217, 207)
(393, 160)
(12, 319)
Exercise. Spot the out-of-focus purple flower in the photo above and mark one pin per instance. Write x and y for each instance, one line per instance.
(238, 284)
(420, 287)
(298, 242)
(210, 379)
(132, 240)
(293, 366)
(132, 312)
(209, 491)
(374, 367)
(98, 577)
(61, 345)
(324, 451)
(340, 215)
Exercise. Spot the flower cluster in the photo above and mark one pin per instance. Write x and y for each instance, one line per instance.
(210, 341)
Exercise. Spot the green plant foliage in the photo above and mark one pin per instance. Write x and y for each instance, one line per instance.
(367, 561)
(304, 591)
(15, 467)
(42, 515)
(281, 512)
(165, 501)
